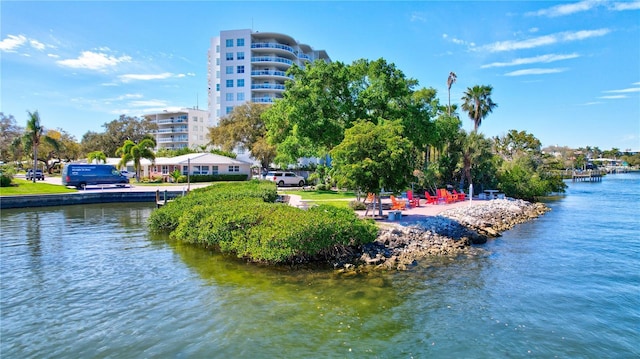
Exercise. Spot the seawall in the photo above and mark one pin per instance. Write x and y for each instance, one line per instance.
(66, 199)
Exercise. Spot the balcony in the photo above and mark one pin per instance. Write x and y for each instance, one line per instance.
(269, 73)
(171, 120)
(267, 87)
(273, 46)
(262, 99)
(272, 59)
(173, 139)
(173, 130)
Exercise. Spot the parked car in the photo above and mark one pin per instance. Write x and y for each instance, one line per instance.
(82, 175)
(38, 175)
(285, 178)
(128, 174)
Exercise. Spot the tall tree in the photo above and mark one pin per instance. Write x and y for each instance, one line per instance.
(116, 132)
(372, 157)
(131, 151)
(450, 81)
(478, 104)
(9, 132)
(244, 127)
(35, 134)
(97, 156)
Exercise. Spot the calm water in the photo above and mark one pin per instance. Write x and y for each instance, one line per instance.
(90, 282)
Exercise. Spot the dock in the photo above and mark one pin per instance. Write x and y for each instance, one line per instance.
(587, 176)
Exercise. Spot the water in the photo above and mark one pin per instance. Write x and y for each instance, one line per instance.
(91, 282)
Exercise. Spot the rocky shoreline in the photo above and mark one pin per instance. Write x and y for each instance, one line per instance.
(450, 233)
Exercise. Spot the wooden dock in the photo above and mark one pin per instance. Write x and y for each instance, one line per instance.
(587, 176)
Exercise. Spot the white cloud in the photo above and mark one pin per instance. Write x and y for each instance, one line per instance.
(613, 97)
(567, 9)
(457, 41)
(534, 71)
(12, 42)
(94, 61)
(585, 5)
(532, 60)
(148, 77)
(416, 16)
(627, 5)
(148, 103)
(544, 40)
(628, 90)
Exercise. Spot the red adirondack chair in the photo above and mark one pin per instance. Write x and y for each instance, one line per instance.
(459, 195)
(430, 199)
(397, 204)
(413, 201)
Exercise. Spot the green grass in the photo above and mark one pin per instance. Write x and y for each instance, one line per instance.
(20, 187)
(323, 195)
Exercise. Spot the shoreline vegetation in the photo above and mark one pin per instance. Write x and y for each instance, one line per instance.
(243, 219)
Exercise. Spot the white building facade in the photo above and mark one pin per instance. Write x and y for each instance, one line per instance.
(251, 66)
(184, 128)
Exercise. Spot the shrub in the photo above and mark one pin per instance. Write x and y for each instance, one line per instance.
(357, 205)
(6, 175)
(242, 219)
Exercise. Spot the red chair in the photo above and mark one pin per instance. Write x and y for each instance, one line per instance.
(460, 196)
(445, 196)
(414, 202)
(397, 204)
(430, 199)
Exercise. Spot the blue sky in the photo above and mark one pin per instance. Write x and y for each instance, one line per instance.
(566, 72)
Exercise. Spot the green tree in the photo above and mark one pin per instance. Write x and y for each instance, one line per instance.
(325, 99)
(131, 151)
(97, 156)
(36, 134)
(372, 157)
(478, 104)
(516, 143)
(9, 132)
(244, 127)
(117, 131)
(450, 81)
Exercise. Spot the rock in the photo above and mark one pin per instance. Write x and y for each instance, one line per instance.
(450, 234)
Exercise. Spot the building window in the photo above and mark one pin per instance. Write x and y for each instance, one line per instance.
(229, 109)
(217, 61)
(229, 70)
(240, 82)
(229, 96)
(240, 96)
(229, 83)
(218, 87)
(241, 69)
(234, 168)
(229, 56)
(240, 55)
(185, 170)
(217, 74)
(214, 170)
(240, 42)
(165, 170)
(229, 42)
(217, 49)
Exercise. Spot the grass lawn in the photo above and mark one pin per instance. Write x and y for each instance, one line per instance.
(323, 195)
(21, 187)
(334, 198)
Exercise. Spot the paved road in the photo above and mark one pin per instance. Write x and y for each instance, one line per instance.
(133, 186)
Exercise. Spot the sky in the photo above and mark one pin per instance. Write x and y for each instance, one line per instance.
(567, 72)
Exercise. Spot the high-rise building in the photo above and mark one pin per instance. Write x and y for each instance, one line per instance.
(251, 66)
(182, 128)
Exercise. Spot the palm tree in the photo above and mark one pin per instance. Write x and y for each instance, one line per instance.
(450, 81)
(97, 156)
(34, 135)
(478, 104)
(130, 151)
